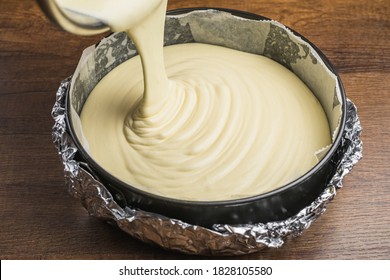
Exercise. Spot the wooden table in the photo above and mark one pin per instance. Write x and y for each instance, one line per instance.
(39, 220)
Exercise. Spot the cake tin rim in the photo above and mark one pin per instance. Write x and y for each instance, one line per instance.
(116, 181)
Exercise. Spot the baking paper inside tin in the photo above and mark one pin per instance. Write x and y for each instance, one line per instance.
(263, 37)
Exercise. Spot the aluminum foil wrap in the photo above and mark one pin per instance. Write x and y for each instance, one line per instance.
(176, 235)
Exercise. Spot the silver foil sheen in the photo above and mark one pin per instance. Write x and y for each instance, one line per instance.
(179, 236)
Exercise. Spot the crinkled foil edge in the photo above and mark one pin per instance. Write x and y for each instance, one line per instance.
(223, 240)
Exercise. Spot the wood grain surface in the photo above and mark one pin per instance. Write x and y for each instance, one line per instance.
(40, 220)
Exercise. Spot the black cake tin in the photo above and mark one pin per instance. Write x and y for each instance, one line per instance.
(276, 205)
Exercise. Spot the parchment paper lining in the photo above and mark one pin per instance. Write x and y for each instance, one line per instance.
(264, 37)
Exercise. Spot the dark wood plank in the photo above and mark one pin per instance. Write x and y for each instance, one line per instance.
(39, 220)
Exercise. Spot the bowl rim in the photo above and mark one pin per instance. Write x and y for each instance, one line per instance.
(114, 181)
